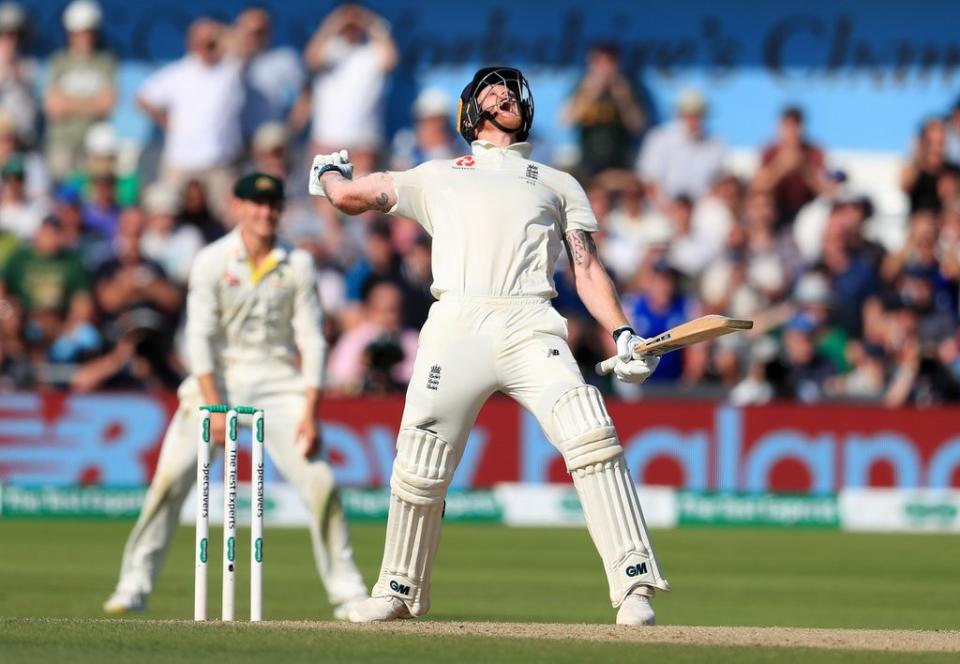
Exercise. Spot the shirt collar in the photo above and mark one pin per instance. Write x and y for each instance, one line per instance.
(279, 252)
(522, 149)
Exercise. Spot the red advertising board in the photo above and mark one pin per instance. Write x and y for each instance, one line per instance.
(114, 439)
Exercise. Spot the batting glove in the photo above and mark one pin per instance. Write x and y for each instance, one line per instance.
(636, 370)
(627, 342)
(630, 368)
(324, 163)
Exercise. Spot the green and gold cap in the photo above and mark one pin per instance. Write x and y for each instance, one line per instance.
(259, 187)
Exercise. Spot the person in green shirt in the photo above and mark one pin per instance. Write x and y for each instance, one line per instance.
(8, 244)
(813, 298)
(52, 288)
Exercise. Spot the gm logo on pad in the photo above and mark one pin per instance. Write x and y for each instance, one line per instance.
(399, 588)
(637, 570)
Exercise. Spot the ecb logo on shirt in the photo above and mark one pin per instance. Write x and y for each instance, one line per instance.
(465, 162)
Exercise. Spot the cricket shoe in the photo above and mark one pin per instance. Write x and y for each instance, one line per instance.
(379, 609)
(124, 601)
(636, 610)
(342, 610)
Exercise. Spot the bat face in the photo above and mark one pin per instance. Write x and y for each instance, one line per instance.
(681, 336)
(692, 332)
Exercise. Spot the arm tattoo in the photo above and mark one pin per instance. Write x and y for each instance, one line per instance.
(381, 202)
(580, 246)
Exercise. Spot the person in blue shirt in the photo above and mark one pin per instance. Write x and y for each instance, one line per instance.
(657, 307)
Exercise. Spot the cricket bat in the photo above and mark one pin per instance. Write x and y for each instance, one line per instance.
(683, 335)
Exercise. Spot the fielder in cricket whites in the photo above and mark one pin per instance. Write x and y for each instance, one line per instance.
(253, 314)
(499, 223)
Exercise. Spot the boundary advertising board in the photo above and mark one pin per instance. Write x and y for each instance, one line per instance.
(114, 440)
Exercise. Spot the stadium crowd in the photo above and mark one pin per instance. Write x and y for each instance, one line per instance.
(96, 245)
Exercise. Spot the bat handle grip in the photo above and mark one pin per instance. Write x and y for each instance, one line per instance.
(605, 367)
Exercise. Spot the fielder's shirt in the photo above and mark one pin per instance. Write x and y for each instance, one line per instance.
(497, 220)
(254, 318)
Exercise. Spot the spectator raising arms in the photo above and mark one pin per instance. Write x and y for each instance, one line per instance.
(350, 56)
(606, 112)
(791, 168)
(928, 161)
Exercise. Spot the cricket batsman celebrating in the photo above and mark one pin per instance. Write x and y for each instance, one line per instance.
(252, 309)
(499, 223)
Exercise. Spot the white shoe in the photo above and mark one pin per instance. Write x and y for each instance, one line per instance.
(379, 609)
(342, 610)
(123, 601)
(636, 610)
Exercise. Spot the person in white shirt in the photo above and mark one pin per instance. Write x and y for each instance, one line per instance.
(350, 56)
(197, 101)
(811, 223)
(18, 73)
(689, 253)
(19, 215)
(252, 309)
(680, 158)
(173, 245)
(499, 223)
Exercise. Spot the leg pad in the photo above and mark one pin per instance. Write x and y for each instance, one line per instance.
(422, 472)
(594, 458)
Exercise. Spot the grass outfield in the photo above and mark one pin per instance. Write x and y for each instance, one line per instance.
(811, 579)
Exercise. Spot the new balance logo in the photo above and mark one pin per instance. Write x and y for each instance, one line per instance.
(433, 380)
(637, 570)
(532, 172)
(425, 426)
(399, 588)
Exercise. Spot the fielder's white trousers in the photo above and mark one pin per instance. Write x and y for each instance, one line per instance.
(279, 391)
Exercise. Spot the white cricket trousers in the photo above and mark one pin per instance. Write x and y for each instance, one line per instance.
(279, 391)
(471, 347)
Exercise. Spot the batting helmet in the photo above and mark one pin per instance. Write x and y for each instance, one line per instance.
(469, 113)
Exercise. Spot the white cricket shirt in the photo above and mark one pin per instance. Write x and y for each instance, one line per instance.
(680, 163)
(347, 96)
(497, 219)
(238, 318)
(203, 104)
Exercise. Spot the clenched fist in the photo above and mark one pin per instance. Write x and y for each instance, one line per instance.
(324, 163)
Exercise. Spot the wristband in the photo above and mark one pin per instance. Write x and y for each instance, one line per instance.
(327, 168)
(620, 330)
